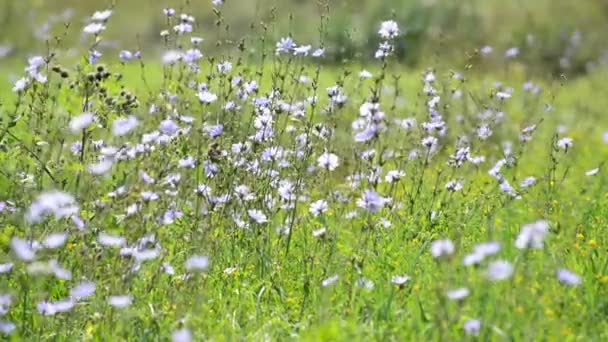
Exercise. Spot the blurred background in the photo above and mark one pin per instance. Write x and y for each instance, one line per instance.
(550, 36)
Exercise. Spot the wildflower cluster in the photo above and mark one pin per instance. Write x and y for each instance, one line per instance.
(278, 198)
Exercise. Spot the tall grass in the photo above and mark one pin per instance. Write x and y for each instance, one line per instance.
(260, 193)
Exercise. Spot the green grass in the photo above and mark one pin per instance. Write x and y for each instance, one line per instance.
(264, 285)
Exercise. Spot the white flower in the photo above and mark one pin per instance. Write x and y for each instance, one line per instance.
(528, 182)
(5, 268)
(502, 95)
(257, 215)
(171, 57)
(499, 270)
(57, 203)
(230, 270)
(592, 172)
(197, 263)
(122, 126)
(319, 232)
(512, 52)
(101, 15)
(458, 294)
(100, 168)
(302, 50)
(565, 143)
(7, 327)
(20, 84)
(365, 283)
(189, 161)
(80, 122)
(567, 277)
(83, 290)
(364, 74)
(108, 240)
(440, 248)
(453, 186)
(52, 308)
(328, 161)
(429, 142)
(318, 207)
(389, 29)
(58, 271)
(55, 240)
(23, 249)
(472, 327)
(285, 45)
(120, 301)
(480, 252)
(224, 67)
(394, 176)
(318, 52)
(94, 28)
(207, 97)
(329, 281)
(532, 235)
(182, 335)
(486, 50)
(400, 279)
(168, 269)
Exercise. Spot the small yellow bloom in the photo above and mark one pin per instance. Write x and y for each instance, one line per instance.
(592, 243)
(580, 236)
(89, 330)
(604, 279)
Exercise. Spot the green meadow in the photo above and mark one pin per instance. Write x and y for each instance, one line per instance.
(314, 171)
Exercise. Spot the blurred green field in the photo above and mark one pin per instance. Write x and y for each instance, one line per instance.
(554, 36)
(297, 274)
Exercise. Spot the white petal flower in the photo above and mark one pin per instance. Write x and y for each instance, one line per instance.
(499, 270)
(57, 203)
(101, 168)
(532, 235)
(197, 263)
(80, 122)
(329, 281)
(458, 294)
(94, 28)
(22, 249)
(182, 335)
(120, 302)
(441, 248)
(55, 240)
(122, 126)
(400, 279)
(83, 290)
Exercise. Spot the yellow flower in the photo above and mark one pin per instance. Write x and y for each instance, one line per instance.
(592, 243)
(89, 329)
